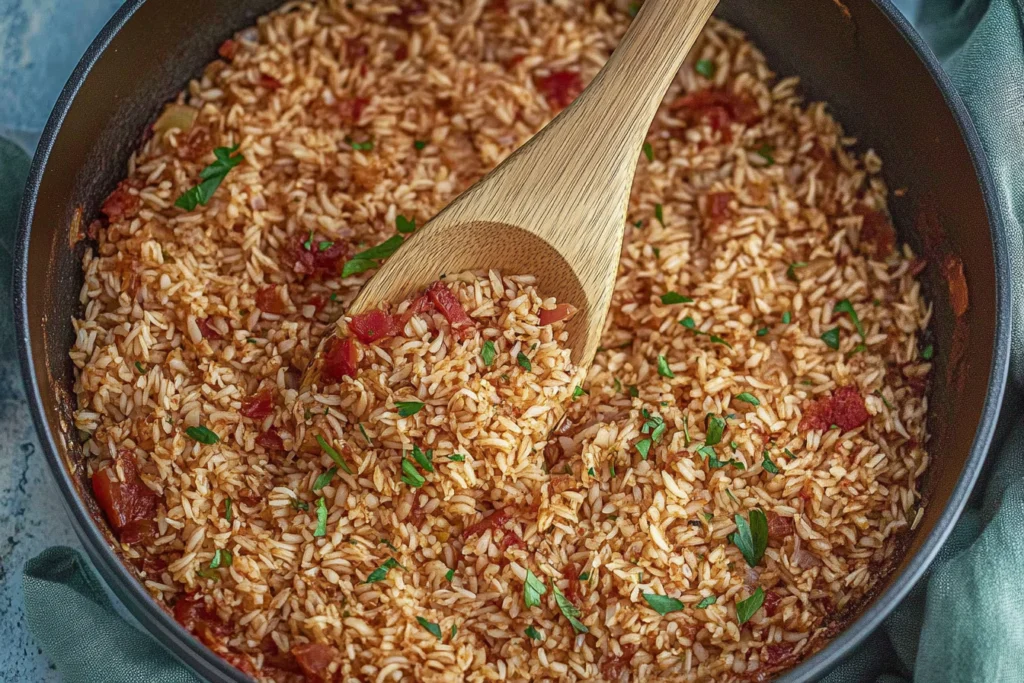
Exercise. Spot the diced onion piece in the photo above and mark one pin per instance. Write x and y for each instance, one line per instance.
(178, 116)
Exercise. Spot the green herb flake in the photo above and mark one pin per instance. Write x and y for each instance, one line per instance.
(715, 430)
(370, 258)
(360, 146)
(425, 460)
(767, 152)
(719, 340)
(227, 509)
(488, 352)
(789, 454)
(643, 447)
(633, 9)
(663, 605)
(404, 225)
(449, 575)
(381, 572)
(299, 505)
(791, 271)
(663, 369)
(706, 68)
(325, 245)
(208, 573)
(408, 408)
(746, 608)
(762, 332)
(767, 464)
(410, 476)
(335, 456)
(221, 558)
(831, 338)
(419, 144)
(751, 537)
(845, 306)
(569, 610)
(533, 588)
(533, 633)
(362, 430)
(659, 213)
(638, 224)
(585, 576)
(747, 397)
(524, 362)
(686, 430)
(729, 493)
(388, 543)
(578, 391)
(633, 391)
(928, 352)
(708, 516)
(324, 479)
(880, 395)
(321, 518)
(252, 340)
(457, 457)
(432, 628)
(203, 435)
(211, 176)
(142, 370)
(669, 298)
(648, 151)
(787, 317)
(688, 323)
(707, 602)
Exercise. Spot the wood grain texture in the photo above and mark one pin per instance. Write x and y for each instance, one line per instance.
(556, 208)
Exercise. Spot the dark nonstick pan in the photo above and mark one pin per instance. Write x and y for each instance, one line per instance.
(859, 55)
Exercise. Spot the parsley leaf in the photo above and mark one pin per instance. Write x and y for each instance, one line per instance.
(633, 391)
(419, 144)
(533, 633)
(324, 479)
(786, 317)
(707, 602)
(457, 457)
(746, 608)
(299, 504)
(221, 558)
(751, 538)
(370, 258)
(633, 9)
(831, 338)
(524, 362)
(643, 447)
(747, 397)
(360, 146)
(227, 508)
(488, 352)
(648, 151)
(669, 298)
(659, 213)
(407, 408)
(762, 332)
(663, 369)
(662, 604)
(381, 572)
(791, 271)
(404, 225)
(578, 391)
(410, 476)
(335, 456)
(321, 518)
(706, 68)
(449, 575)
(425, 460)
(715, 429)
(767, 152)
(142, 370)
(569, 610)
(212, 176)
(928, 352)
(325, 245)
(845, 306)
(767, 464)
(362, 429)
(533, 588)
(203, 435)
(431, 627)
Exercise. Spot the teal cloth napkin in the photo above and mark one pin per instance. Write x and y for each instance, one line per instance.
(962, 624)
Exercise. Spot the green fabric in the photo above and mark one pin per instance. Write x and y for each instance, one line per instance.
(961, 624)
(71, 615)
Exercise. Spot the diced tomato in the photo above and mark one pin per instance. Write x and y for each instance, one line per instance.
(206, 329)
(495, 521)
(877, 236)
(613, 666)
(317, 301)
(420, 304)
(556, 314)
(373, 326)
(121, 204)
(572, 587)
(259, 405)
(845, 409)
(416, 512)
(151, 564)
(510, 539)
(315, 659)
(407, 9)
(269, 82)
(270, 440)
(771, 603)
(191, 611)
(777, 654)
(401, 53)
(228, 49)
(718, 108)
(125, 502)
(778, 526)
(449, 306)
(340, 360)
(351, 109)
(268, 300)
(355, 49)
(718, 205)
(560, 88)
(275, 658)
(829, 170)
(140, 531)
(321, 264)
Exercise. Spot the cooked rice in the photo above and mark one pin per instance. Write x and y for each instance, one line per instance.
(171, 337)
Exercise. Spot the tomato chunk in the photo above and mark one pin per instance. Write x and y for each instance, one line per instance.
(373, 326)
(495, 521)
(421, 304)
(269, 82)
(351, 109)
(572, 587)
(613, 666)
(771, 603)
(270, 440)
(206, 329)
(560, 88)
(449, 306)
(259, 405)
(877, 236)
(778, 526)
(718, 108)
(718, 205)
(228, 49)
(556, 314)
(268, 300)
(125, 503)
(777, 654)
(192, 612)
(845, 408)
(315, 659)
(510, 539)
(314, 261)
(340, 360)
(121, 204)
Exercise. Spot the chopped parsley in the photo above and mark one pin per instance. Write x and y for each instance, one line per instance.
(533, 588)
(389, 544)
(221, 558)
(686, 430)
(449, 575)
(591, 472)
(633, 9)
(689, 324)
(633, 391)
(791, 271)
(325, 245)
(880, 395)
(457, 457)
(706, 68)
(585, 576)
(410, 476)
(404, 225)
(370, 258)
(715, 429)
(928, 352)
(324, 479)
(789, 454)
(488, 352)
(227, 508)
(212, 176)
(751, 537)
(360, 146)
(648, 151)
(299, 505)
(524, 362)
(831, 338)
(762, 332)
(734, 446)
(707, 602)
(669, 298)
(569, 610)
(747, 397)
(142, 370)
(708, 516)
(845, 306)
(663, 369)
(767, 464)
(431, 627)
(425, 460)
(362, 430)
(729, 493)
(533, 633)
(643, 447)
(663, 604)
(786, 318)
(203, 435)
(321, 518)
(335, 456)
(746, 608)
(407, 408)
(659, 213)
(419, 144)
(381, 572)
(767, 152)
(578, 391)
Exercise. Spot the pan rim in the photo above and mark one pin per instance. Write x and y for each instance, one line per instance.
(202, 660)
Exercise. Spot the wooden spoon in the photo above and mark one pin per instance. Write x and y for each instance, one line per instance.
(556, 208)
